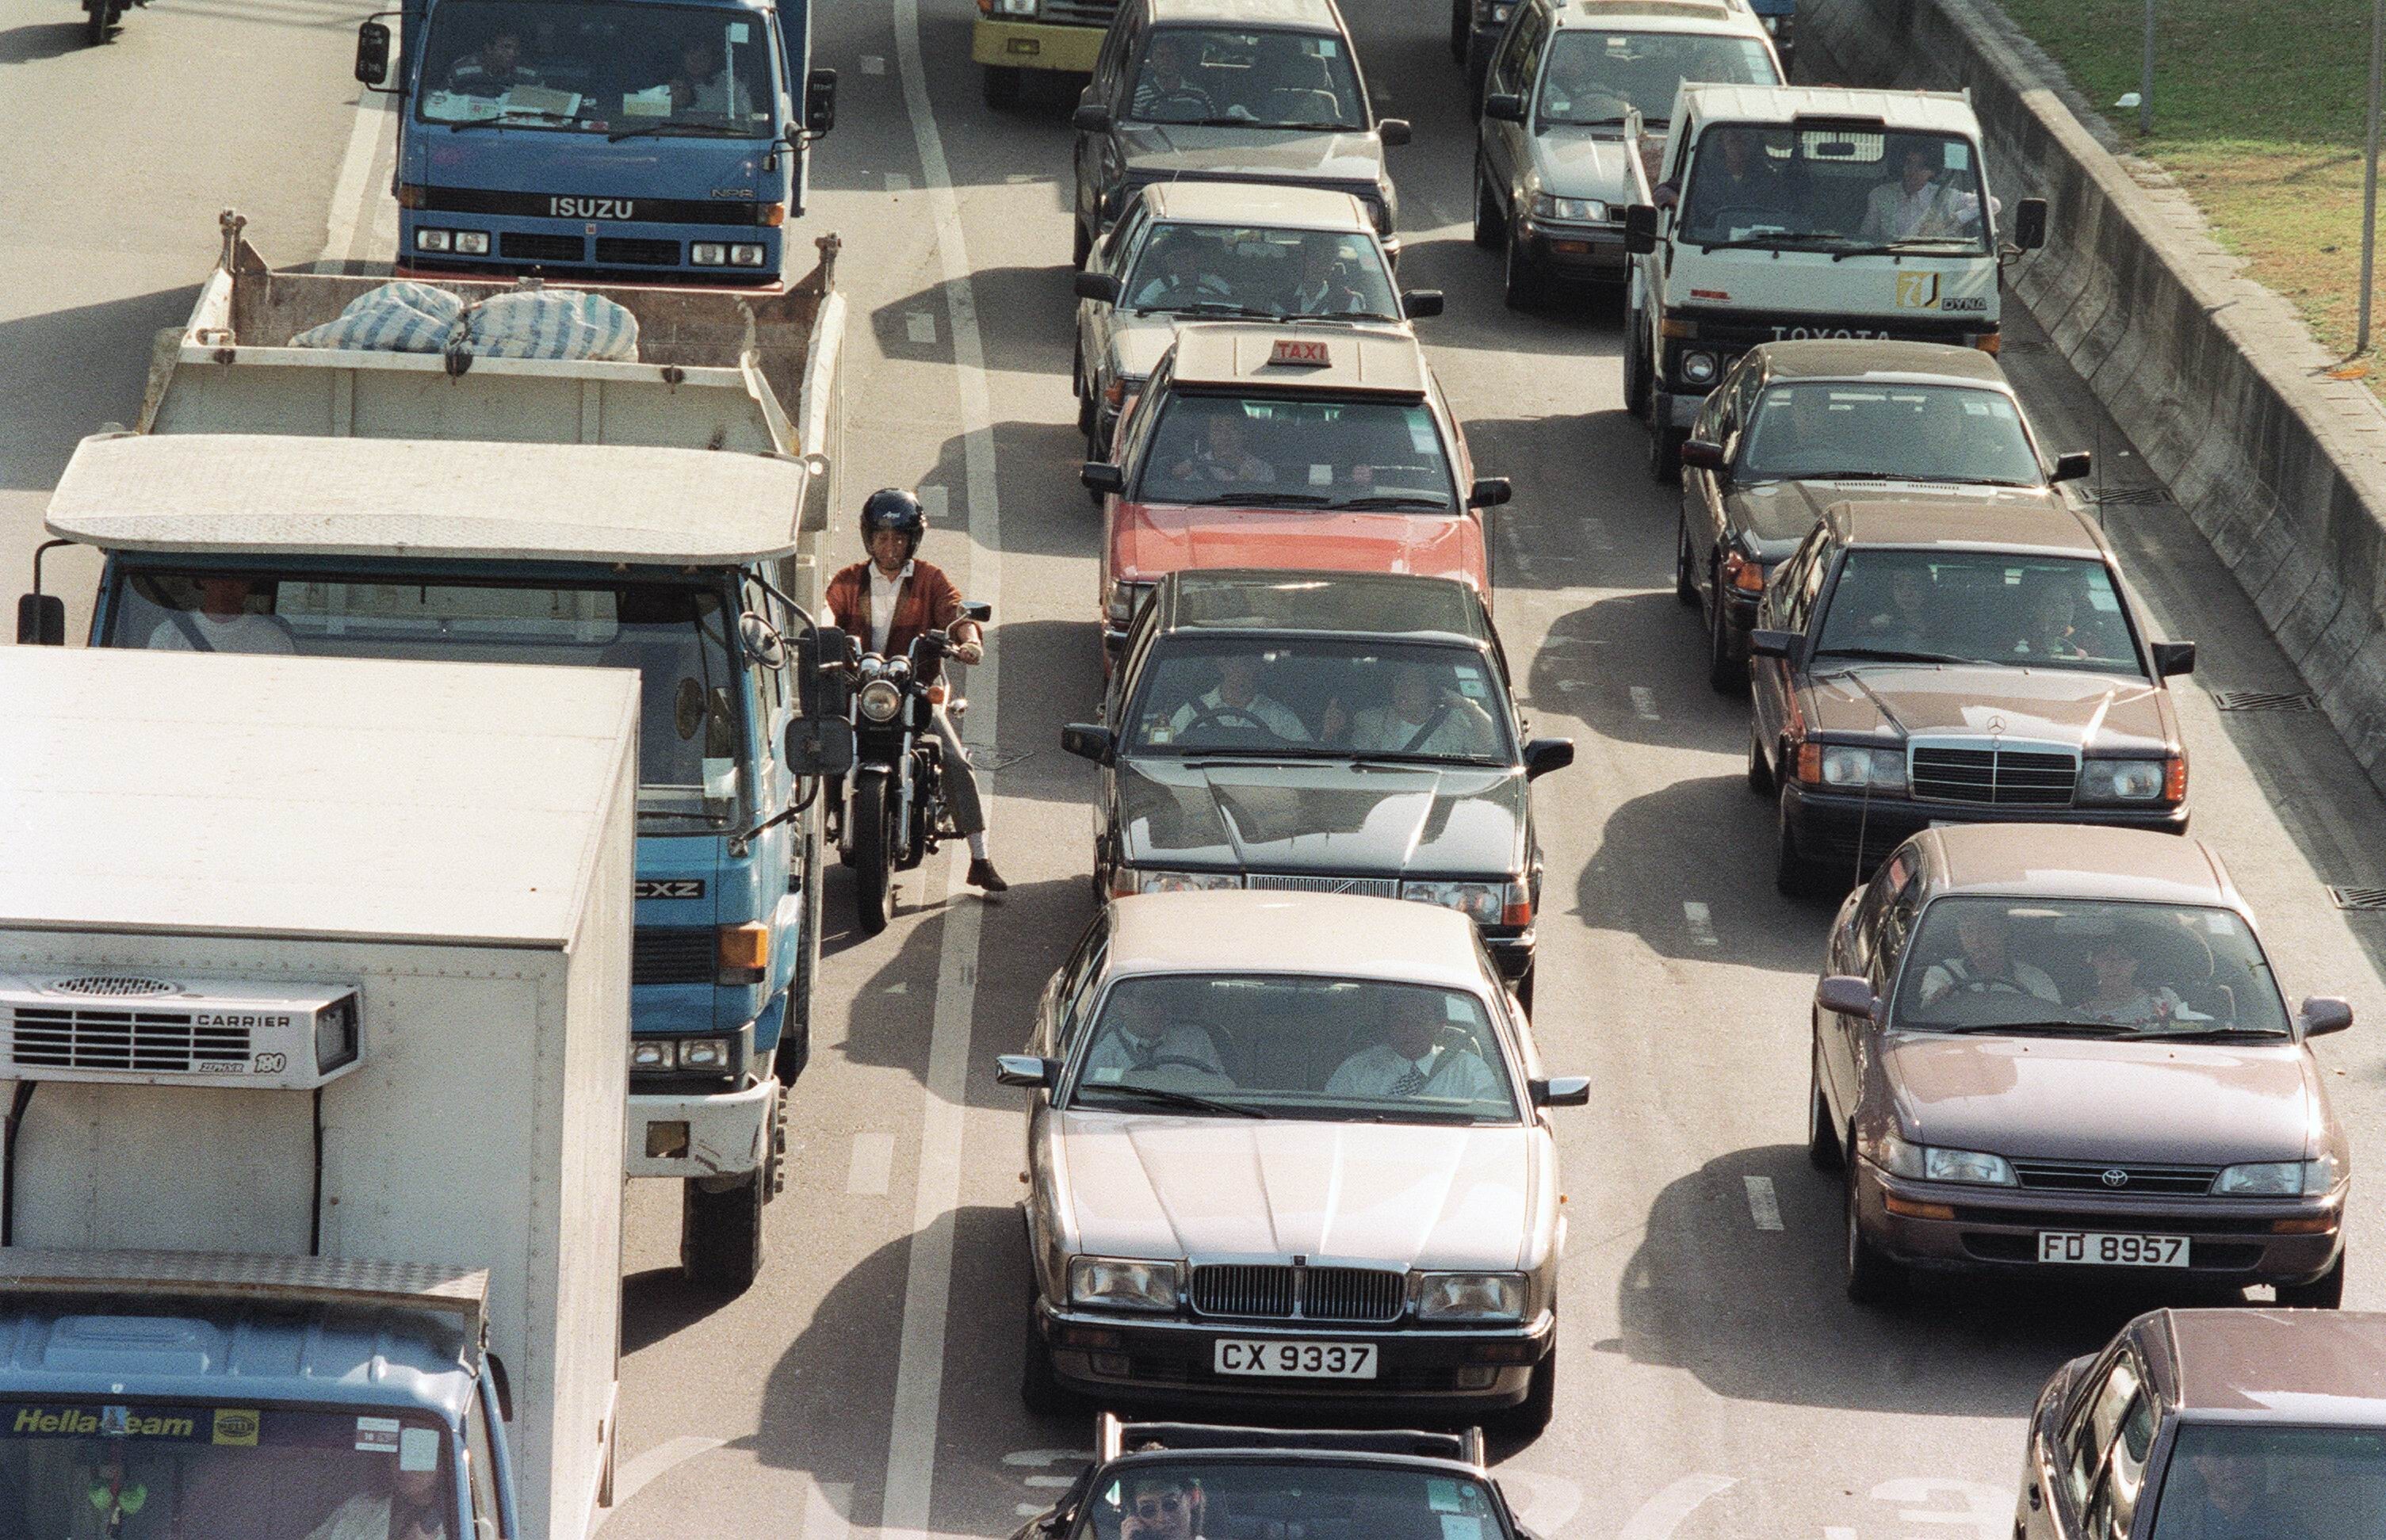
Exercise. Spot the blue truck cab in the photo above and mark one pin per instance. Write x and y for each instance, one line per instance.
(162, 1394)
(627, 141)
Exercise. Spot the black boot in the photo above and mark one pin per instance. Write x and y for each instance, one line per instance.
(983, 875)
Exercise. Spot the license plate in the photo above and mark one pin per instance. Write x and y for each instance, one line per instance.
(2100, 1248)
(1303, 1360)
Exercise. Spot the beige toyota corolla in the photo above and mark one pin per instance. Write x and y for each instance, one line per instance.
(1289, 1147)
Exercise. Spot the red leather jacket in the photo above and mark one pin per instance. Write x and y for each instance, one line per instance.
(927, 601)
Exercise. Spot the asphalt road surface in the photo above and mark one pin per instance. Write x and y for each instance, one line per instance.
(1714, 1381)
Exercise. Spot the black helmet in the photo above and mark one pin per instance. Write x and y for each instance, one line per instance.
(894, 509)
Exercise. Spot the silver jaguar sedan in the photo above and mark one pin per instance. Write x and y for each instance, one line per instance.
(1290, 1147)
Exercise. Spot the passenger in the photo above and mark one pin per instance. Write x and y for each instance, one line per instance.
(1136, 1035)
(1911, 622)
(1163, 1507)
(1424, 716)
(1222, 456)
(1799, 433)
(2048, 632)
(1235, 700)
(2116, 997)
(223, 622)
(1915, 205)
(1179, 278)
(1165, 93)
(2234, 1506)
(408, 1511)
(703, 85)
(1986, 964)
(1412, 1060)
(495, 70)
(1325, 288)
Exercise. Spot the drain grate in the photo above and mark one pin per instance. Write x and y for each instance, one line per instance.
(2133, 497)
(2265, 700)
(2367, 899)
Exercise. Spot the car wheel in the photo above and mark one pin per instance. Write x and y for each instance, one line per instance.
(2324, 1293)
(1823, 1150)
(1524, 289)
(1793, 876)
(1081, 244)
(1686, 582)
(1000, 84)
(1530, 1416)
(1039, 1390)
(1872, 1277)
(1727, 675)
(1462, 29)
(1489, 225)
(1665, 452)
(1760, 770)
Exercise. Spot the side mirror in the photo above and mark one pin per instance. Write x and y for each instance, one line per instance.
(1640, 229)
(820, 101)
(1090, 118)
(820, 689)
(819, 745)
(980, 610)
(1027, 1070)
(1846, 996)
(1705, 454)
(1393, 132)
(2323, 1014)
(2029, 223)
(1099, 286)
(1503, 106)
(1560, 1091)
(1089, 741)
(1772, 643)
(761, 641)
(2072, 467)
(2174, 659)
(1544, 754)
(373, 53)
(1490, 492)
(40, 620)
(1417, 303)
(1100, 477)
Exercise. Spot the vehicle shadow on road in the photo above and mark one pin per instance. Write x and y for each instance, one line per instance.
(661, 1303)
(44, 40)
(1025, 316)
(111, 344)
(1597, 664)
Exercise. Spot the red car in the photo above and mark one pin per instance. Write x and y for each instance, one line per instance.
(1314, 448)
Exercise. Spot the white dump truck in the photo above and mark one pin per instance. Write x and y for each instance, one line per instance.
(314, 996)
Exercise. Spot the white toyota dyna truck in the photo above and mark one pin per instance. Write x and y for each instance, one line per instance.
(1807, 211)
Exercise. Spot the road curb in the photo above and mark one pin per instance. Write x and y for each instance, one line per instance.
(2215, 378)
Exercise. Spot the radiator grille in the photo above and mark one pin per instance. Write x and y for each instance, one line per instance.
(1271, 1291)
(542, 248)
(628, 250)
(1369, 887)
(2004, 777)
(2090, 1176)
(167, 1041)
(671, 955)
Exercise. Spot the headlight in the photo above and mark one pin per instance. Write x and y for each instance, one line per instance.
(1851, 765)
(879, 700)
(2125, 779)
(704, 1053)
(652, 1052)
(434, 240)
(2278, 1179)
(709, 254)
(745, 256)
(1699, 369)
(1185, 881)
(1125, 598)
(1498, 14)
(472, 243)
(1931, 1163)
(1483, 903)
(1589, 210)
(1015, 7)
(1470, 1297)
(1119, 1284)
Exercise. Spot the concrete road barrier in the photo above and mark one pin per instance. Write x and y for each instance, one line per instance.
(2214, 377)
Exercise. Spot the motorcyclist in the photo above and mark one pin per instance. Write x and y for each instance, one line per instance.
(893, 599)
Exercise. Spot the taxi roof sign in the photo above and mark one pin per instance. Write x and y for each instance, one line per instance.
(1301, 352)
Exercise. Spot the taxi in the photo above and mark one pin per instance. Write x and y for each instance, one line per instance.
(1313, 448)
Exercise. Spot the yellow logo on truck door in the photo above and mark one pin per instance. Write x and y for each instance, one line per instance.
(1918, 290)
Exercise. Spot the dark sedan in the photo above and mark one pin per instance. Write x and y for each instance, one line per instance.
(1336, 732)
(1797, 426)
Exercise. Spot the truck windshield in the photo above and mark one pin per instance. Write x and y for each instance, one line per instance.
(1263, 452)
(1595, 78)
(690, 732)
(1839, 190)
(587, 66)
(139, 1468)
(1208, 75)
(1816, 429)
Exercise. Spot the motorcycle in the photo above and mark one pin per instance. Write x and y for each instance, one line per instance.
(100, 16)
(891, 813)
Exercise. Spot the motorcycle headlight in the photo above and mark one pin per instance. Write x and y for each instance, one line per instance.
(1699, 369)
(1125, 599)
(1470, 1297)
(2123, 779)
(879, 700)
(1852, 766)
(2277, 1178)
(1122, 1284)
(1185, 881)
(1589, 210)
(1483, 903)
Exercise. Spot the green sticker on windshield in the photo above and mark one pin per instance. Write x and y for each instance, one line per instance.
(737, 33)
(1959, 156)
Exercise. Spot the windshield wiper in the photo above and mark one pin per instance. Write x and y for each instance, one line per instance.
(1173, 1098)
(499, 120)
(1584, 122)
(1911, 243)
(2213, 1035)
(1786, 241)
(667, 126)
(2038, 1029)
(1259, 500)
(718, 821)
(1215, 308)
(1396, 500)
(1889, 654)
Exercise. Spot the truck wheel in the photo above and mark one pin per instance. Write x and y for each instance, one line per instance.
(1039, 1390)
(1636, 369)
(1665, 452)
(720, 1234)
(1793, 876)
(874, 848)
(94, 22)
(1002, 82)
(1489, 225)
(808, 944)
(1822, 1139)
(2324, 1293)
(1531, 1416)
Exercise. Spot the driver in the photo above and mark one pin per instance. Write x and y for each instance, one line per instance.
(1136, 1035)
(1573, 92)
(1985, 965)
(1179, 275)
(408, 1511)
(1235, 698)
(1424, 716)
(1412, 1059)
(1165, 93)
(1223, 456)
(894, 600)
(495, 70)
(223, 622)
(1164, 1506)
(1325, 288)
(1907, 623)
(2235, 1506)
(1739, 177)
(1800, 434)
(1915, 205)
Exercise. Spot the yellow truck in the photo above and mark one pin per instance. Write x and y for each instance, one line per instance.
(1014, 36)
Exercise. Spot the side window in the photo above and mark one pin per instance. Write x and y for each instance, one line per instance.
(1781, 599)
(1138, 423)
(1116, 90)
(2092, 1430)
(2125, 1472)
(1077, 997)
(1886, 885)
(1122, 237)
(1896, 930)
(1524, 41)
(1741, 407)
(481, 1468)
(1810, 583)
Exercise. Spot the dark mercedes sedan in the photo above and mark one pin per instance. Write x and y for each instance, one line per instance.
(2062, 1051)
(1321, 732)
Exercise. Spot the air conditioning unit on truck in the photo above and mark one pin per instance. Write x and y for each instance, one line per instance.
(316, 998)
(1807, 211)
(664, 515)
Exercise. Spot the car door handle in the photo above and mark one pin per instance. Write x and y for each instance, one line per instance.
(2037, 1498)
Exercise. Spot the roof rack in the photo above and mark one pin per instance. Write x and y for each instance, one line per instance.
(1113, 1437)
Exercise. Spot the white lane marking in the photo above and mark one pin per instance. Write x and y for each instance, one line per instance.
(1664, 1513)
(898, 183)
(1762, 1205)
(873, 64)
(352, 191)
(828, 1511)
(1837, 1532)
(1045, 1456)
(1548, 1504)
(1052, 1481)
(1644, 702)
(873, 1165)
(927, 1284)
(1569, 685)
(645, 1467)
(1986, 1509)
(1701, 923)
(919, 326)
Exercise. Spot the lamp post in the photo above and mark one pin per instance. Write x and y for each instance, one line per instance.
(2146, 77)
(2369, 173)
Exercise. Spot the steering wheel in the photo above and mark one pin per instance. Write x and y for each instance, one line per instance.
(1218, 714)
(1741, 213)
(1179, 1061)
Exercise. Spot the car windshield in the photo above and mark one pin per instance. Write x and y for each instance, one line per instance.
(1979, 607)
(1597, 77)
(1264, 451)
(1296, 1047)
(1372, 699)
(690, 731)
(1186, 269)
(587, 66)
(1837, 189)
(140, 1468)
(2239, 1478)
(1250, 78)
(1315, 1498)
(1818, 430)
(2114, 969)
